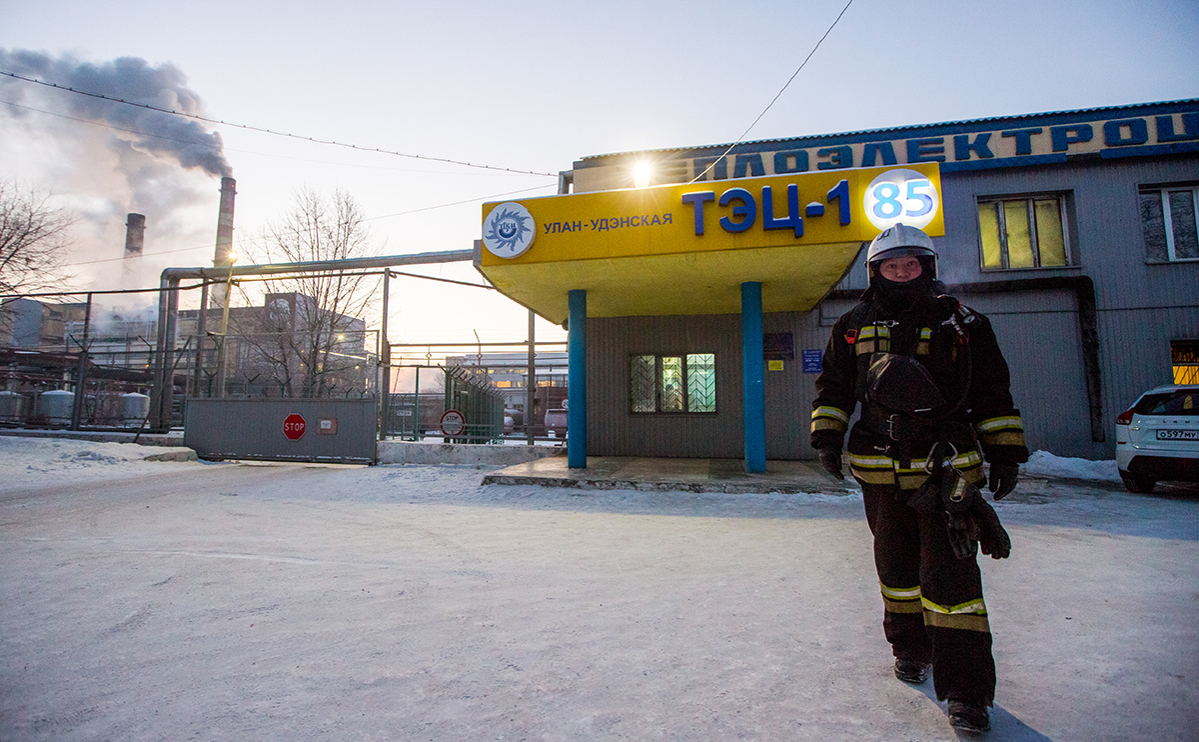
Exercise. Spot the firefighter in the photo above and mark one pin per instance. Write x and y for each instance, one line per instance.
(934, 390)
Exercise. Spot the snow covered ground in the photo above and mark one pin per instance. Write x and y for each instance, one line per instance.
(171, 600)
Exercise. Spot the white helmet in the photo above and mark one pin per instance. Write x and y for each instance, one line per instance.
(900, 241)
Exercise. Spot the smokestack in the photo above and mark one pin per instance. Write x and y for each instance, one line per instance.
(224, 223)
(135, 240)
(135, 235)
(224, 239)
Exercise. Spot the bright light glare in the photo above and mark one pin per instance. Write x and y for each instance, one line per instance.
(643, 172)
(232, 257)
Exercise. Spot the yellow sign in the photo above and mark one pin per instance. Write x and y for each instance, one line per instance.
(800, 209)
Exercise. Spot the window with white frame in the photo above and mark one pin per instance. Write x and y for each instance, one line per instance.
(1168, 221)
(672, 383)
(1023, 232)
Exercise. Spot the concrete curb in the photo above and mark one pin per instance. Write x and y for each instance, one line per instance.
(401, 452)
(728, 488)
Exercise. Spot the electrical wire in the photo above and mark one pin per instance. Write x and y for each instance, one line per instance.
(776, 97)
(208, 146)
(263, 130)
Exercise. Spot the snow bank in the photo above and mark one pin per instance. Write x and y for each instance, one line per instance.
(1045, 464)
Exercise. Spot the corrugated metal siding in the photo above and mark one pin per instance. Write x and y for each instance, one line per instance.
(1141, 307)
(614, 431)
(1039, 335)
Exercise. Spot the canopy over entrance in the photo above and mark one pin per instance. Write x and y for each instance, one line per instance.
(686, 249)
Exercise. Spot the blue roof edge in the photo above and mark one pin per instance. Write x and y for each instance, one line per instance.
(1184, 105)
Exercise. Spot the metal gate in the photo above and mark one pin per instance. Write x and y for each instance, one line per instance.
(332, 430)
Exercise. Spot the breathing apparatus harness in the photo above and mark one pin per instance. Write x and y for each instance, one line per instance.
(898, 387)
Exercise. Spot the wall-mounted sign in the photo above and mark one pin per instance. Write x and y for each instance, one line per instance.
(812, 360)
(778, 346)
(848, 206)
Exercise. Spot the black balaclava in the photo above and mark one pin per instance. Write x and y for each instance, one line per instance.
(898, 297)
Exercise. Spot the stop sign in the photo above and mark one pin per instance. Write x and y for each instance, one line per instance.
(293, 426)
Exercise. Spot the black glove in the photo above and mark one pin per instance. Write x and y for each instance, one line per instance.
(1003, 479)
(992, 538)
(830, 459)
(963, 534)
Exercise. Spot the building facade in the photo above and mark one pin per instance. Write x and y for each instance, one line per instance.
(1074, 231)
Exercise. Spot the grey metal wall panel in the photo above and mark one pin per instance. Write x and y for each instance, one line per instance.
(253, 429)
(612, 430)
(1141, 306)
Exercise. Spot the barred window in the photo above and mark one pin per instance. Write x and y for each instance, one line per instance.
(1023, 232)
(664, 383)
(1168, 219)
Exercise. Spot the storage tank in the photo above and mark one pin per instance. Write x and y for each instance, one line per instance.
(56, 406)
(134, 409)
(13, 407)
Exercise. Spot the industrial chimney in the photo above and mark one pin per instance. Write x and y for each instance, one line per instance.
(135, 235)
(224, 239)
(135, 240)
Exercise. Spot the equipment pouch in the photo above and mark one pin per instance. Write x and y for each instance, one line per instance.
(901, 383)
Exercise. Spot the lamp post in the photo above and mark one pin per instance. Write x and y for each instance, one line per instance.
(222, 351)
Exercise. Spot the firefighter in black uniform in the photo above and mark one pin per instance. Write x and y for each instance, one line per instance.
(935, 397)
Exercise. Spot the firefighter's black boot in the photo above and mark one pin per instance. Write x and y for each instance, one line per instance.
(911, 671)
(968, 716)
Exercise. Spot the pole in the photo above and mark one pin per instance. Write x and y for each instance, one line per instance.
(576, 383)
(416, 431)
(222, 350)
(753, 373)
(531, 384)
(385, 357)
(201, 338)
(81, 370)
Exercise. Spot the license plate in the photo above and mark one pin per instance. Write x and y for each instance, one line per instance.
(1178, 435)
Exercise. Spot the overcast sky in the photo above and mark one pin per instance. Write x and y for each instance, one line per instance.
(530, 86)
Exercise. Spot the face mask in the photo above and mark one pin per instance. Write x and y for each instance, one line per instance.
(902, 295)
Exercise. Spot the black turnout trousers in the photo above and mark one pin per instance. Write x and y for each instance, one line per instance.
(934, 602)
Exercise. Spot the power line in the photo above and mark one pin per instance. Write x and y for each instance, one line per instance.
(777, 95)
(248, 127)
(206, 145)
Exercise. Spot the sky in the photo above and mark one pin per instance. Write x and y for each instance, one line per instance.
(521, 87)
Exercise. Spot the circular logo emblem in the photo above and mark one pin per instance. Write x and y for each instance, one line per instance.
(901, 195)
(508, 231)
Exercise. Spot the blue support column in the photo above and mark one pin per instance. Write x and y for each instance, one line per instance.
(576, 381)
(753, 376)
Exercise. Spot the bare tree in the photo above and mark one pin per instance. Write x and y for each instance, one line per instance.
(33, 242)
(312, 330)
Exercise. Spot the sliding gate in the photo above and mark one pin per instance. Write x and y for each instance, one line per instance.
(331, 430)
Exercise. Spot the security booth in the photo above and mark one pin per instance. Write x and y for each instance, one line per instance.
(1075, 232)
(670, 292)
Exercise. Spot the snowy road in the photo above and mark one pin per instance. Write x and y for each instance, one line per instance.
(189, 601)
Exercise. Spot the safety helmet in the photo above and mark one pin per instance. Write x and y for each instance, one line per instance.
(901, 241)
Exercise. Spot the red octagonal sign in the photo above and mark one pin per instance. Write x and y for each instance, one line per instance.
(293, 426)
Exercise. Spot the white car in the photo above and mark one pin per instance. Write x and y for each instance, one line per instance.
(1157, 439)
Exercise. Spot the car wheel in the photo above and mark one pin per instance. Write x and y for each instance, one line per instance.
(1138, 484)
